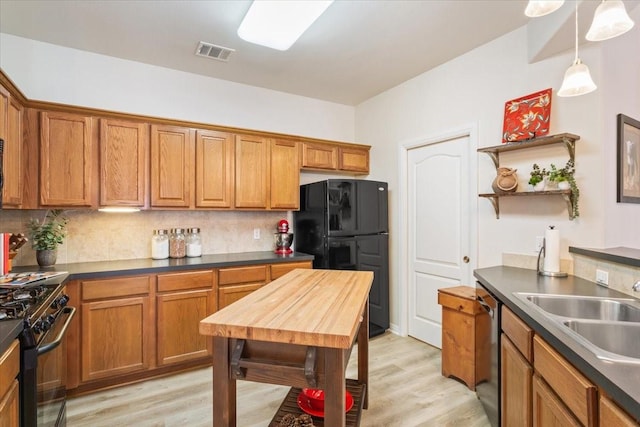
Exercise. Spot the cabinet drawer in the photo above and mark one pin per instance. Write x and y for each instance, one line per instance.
(118, 287)
(279, 270)
(187, 280)
(612, 415)
(319, 156)
(577, 393)
(354, 159)
(460, 298)
(9, 367)
(230, 276)
(518, 332)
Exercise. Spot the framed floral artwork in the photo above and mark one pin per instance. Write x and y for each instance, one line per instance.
(628, 159)
(527, 117)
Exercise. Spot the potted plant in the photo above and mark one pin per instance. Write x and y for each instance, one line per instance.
(565, 180)
(537, 178)
(46, 235)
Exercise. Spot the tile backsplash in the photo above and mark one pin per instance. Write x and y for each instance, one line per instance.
(100, 236)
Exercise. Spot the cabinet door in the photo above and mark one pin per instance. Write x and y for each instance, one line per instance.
(285, 175)
(66, 160)
(172, 174)
(319, 156)
(252, 172)
(13, 160)
(214, 169)
(10, 406)
(353, 159)
(179, 316)
(229, 294)
(612, 415)
(116, 337)
(123, 163)
(548, 410)
(516, 376)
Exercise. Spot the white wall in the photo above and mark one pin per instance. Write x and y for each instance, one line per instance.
(47, 72)
(472, 89)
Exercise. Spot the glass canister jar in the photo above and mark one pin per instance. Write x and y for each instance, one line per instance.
(194, 243)
(177, 243)
(160, 244)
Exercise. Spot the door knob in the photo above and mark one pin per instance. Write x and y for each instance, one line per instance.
(465, 259)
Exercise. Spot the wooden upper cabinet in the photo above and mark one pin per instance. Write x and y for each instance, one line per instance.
(252, 172)
(214, 169)
(124, 148)
(319, 156)
(67, 158)
(353, 159)
(11, 113)
(285, 175)
(172, 158)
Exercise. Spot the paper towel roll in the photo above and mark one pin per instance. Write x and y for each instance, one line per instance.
(552, 250)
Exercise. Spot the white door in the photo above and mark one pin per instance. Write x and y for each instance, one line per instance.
(438, 230)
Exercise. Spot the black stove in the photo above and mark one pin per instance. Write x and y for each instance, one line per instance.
(43, 308)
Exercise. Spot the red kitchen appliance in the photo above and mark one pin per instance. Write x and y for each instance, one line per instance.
(283, 238)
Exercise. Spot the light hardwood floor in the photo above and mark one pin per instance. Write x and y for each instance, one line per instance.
(405, 385)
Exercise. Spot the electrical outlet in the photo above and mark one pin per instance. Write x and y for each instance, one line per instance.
(602, 277)
(539, 243)
(256, 234)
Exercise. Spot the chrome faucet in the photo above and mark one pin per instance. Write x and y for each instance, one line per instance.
(636, 286)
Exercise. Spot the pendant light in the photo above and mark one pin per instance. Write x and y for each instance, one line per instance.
(536, 8)
(609, 21)
(577, 79)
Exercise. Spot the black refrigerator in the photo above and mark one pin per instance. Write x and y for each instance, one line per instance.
(344, 224)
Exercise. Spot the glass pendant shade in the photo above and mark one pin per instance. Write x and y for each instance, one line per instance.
(536, 8)
(610, 20)
(577, 80)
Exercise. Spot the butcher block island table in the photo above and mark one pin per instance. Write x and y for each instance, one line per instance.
(296, 331)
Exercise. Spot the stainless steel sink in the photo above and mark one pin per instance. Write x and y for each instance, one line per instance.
(614, 341)
(585, 307)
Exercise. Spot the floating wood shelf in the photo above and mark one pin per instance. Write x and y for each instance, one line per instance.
(568, 139)
(495, 198)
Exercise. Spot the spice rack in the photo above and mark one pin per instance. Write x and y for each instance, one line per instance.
(566, 139)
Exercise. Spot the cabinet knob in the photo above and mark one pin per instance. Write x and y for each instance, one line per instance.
(465, 259)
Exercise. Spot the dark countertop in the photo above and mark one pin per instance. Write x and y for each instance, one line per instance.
(620, 255)
(10, 329)
(620, 381)
(85, 270)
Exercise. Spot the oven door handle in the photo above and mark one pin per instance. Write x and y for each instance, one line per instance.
(50, 346)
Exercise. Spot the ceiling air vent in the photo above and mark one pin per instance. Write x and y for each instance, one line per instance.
(212, 51)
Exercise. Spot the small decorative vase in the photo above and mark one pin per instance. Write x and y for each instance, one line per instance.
(46, 257)
(564, 185)
(551, 185)
(506, 181)
(539, 186)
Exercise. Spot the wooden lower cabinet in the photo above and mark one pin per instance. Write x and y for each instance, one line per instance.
(612, 415)
(117, 328)
(9, 386)
(137, 327)
(548, 410)
(237, 282)
(184, 300)
(516, 374)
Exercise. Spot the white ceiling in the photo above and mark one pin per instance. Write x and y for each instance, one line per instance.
(355, 50)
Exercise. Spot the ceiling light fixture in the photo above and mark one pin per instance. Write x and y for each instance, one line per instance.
(278, 24)
(609, 21)
(537, 8)
(577, 79)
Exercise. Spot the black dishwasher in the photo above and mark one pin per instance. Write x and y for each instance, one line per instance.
(489, 391)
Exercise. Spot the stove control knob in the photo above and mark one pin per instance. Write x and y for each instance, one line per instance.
(37, 327)
(46, 322)
(60, 302)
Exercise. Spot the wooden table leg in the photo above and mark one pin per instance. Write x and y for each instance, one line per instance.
(224, 387)
(363, 353)
(335, 389)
